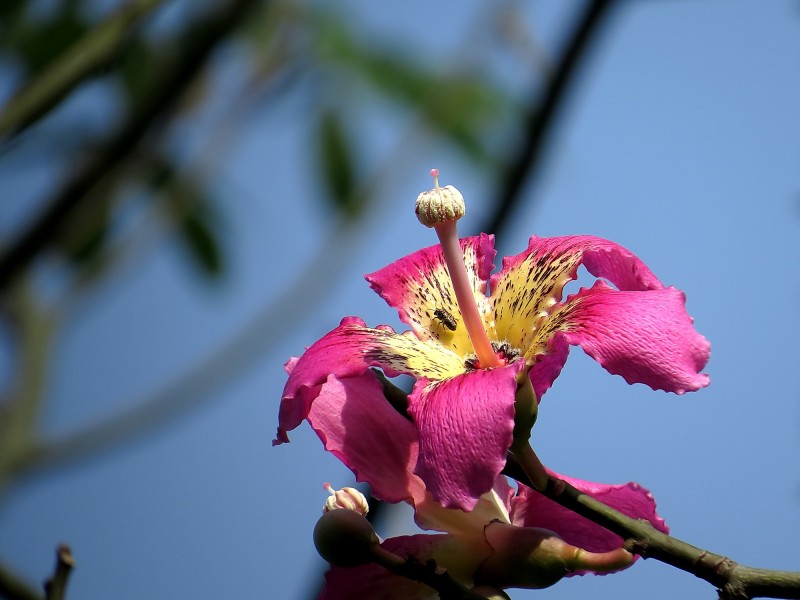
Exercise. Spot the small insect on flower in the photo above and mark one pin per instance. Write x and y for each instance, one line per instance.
(445, 318)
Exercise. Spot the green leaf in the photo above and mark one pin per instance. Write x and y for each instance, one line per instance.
(336, 163)
(193, 214)
(201, 241)
(136, 67)
(461, 107)
(38, 43)
(86, 234)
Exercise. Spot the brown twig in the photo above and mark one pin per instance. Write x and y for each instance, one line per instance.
(56, 585)
(14, 588)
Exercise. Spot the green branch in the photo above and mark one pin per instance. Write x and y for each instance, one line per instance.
(164, 94)
(732, 580)
(95, 51)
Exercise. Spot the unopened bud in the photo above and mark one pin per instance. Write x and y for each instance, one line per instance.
(345, 538)
(347, 498)
(531, 557)
(523, 557)
(439, 205)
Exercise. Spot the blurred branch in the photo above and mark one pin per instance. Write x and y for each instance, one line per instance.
(33, 328)
(542, 115)
(98, 49)
(241, 349)
(166, 92)
(13, 588)
(246, 344)
(732, 580)
(199, 380)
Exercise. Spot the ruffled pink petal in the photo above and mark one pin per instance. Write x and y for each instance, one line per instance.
(548, 366)
(419, 287)
(348, 351)
(465, 428)
(359, 426)
(532, 509)
(601, 257)
(646, 337)
(531, 282)
(373, 582)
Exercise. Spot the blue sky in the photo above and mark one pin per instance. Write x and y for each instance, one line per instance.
(680, 142)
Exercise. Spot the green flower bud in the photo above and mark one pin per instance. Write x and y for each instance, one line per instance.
(524, 557)
(345, 538)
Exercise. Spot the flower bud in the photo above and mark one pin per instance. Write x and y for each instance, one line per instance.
(439, 205)
(345, 498)
(345, 538)
(531, 557)
(524, 557)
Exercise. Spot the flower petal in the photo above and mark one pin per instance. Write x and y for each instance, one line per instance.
(376, 583)
(348, 351)
(532, 509)
(359, 426)
(548, 366)
(531, 283)
(467, 526)
(419, 287)
(646, 337)
(465, 427)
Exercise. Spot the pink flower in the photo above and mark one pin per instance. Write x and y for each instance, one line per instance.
(381, 447)
(462, 408)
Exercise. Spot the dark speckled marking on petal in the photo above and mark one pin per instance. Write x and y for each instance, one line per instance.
(527, 289)
(407, 354)
(419, 286)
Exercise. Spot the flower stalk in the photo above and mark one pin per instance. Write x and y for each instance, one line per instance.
(532, 467)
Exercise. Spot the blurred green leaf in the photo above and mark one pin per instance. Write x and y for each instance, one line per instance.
(201, 241)
(39, 42)
(86, 235)
(459, 106)
(11, 13)
(191, 210)
(136, 67)
(336, 164)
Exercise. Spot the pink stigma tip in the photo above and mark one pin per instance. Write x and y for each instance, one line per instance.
(434, 172)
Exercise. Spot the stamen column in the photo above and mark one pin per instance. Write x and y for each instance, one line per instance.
(440, 208)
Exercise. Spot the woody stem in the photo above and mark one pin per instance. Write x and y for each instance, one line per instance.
(533, 467)
(454, 257)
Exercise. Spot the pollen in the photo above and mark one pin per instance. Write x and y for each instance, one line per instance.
(439, 205)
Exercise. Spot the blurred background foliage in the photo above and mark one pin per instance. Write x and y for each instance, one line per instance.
(122, 123)
(115, 115)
